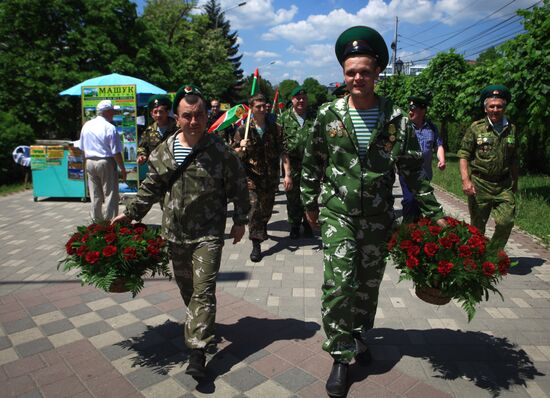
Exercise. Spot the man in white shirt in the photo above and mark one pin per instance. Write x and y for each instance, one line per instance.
(103, 152)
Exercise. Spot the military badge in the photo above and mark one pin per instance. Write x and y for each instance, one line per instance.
(392, 138)
(188, 89)
(332, 133)
(391, 129)
(511, 140)
(479, 141)
(388, 147)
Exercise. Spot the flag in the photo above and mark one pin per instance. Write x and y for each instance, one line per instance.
(233, 115)
(275, 100)
(255, 82)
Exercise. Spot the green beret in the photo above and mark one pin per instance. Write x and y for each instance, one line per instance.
(186, 89)
(362, 40)
(298, 90)
(159, 100)
(342, 89)
(496, 91)
(422, 100)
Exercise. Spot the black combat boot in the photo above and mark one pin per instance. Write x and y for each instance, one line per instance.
(294, 231)
(256, 254)
(337, 383)
(196, 367)
(308, 232)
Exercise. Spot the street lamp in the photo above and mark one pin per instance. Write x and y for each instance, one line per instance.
(399, 66)
(227, 9)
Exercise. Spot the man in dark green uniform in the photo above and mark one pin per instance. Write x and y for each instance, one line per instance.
(261, 153)
(196, 174)
(349, 169)
(295, 124)
(489, 166)
(162, 127)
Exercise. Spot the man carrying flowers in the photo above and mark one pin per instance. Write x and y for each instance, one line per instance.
(353, 149)
(196, 175)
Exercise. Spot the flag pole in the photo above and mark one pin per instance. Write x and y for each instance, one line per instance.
(275, 99)
(252, 92)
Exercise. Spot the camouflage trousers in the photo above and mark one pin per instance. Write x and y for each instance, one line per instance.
(262, 199)
(497, 198)
(354, 251)
(196, 267)
(294, 207)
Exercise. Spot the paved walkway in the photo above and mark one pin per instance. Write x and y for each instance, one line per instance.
(58, 339)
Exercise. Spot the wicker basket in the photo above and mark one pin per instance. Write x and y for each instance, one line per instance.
(119, 286)
(431, 295)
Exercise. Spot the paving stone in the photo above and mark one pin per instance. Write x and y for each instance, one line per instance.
(245, 378)
(41, 309)
(18, 325)
(56, 327)
(33, 347)
(147, 312)
(145, 377)
(75, 310)
(294, 379)
(93, 329)
(110, 312)
(158, 298)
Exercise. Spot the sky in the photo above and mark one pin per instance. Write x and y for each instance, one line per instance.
(291, 39)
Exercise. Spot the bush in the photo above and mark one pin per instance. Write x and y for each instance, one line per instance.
(455, 133)
(12, 133)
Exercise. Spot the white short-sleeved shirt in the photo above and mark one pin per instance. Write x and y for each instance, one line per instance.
(99, 139)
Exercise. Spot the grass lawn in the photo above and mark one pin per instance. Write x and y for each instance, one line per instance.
(12, 188)
(533, 198)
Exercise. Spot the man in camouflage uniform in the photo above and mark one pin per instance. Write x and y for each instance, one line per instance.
(195, 193)
(261, 153)
(353, 184)
(295, 124)
(489, 151)
(162, 127)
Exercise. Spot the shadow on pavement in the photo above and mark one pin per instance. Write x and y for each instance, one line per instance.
(525, 265)
(491, 363)
(155, 349)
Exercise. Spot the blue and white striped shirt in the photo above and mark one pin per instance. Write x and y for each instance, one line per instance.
(364, 122)
(180, 152)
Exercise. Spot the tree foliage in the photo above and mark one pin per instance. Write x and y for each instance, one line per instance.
(316, 93)
(12, 134)
(264, 87)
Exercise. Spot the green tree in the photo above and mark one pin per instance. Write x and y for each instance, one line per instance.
(317, 94)
(489, 56)
(397, 88)
(49, 45)
(442, 78)
(525, 66)
(216, 20)
(197, 53)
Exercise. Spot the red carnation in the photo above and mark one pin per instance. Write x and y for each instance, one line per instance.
(464, 251)
(453, 237)
(139, 230)
(411, 262)
(417, 236)
(92, 257)
(488, 268)
(91, 227)
(125, 231)
(392, 242)
(153, 250)
(430, 249)
(69, 247)
(110, 237)
(435, 230)
(140, 225)
(81, 250)
(474, 230)
(109, 251)
(444, 267)
(85, 238)
(453, 222)
(405, 244)
(129, 253)
(424, 222)
(446, 242)
(469, 264)
(413, 250)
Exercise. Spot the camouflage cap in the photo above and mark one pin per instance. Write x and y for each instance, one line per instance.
(159, 100)
(298, 90)
(186, 89)
(362, 40)
(496, 91)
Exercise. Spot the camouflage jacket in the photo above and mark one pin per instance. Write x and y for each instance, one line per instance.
(263, 154)
(195, 205)
(151, 137)
(490, 153)
(295, 136)
(332, 167)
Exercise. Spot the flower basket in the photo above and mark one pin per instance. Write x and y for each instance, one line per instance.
(453, 262)
(431, 295)
(116, 257)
